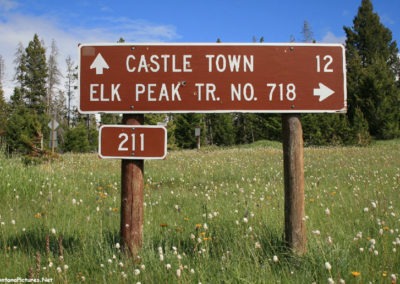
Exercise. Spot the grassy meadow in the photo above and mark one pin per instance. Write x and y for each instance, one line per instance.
(211, 216)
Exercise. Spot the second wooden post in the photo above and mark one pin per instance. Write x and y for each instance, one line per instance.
(293, 163)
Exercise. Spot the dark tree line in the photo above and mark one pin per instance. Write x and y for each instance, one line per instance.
(373, 87)
(373, 70)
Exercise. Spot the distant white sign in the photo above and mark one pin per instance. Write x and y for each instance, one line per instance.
(53, 124)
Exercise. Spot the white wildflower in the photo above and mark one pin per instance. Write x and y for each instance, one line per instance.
(316, 232)
(328, 266)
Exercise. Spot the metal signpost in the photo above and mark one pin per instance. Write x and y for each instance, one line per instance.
(53, 125)
(135, 79)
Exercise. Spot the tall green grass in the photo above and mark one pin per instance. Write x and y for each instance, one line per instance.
(211, 216)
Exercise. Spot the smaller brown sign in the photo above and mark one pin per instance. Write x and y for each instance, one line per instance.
(134, 142)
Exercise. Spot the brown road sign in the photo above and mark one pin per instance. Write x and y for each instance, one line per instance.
(132, 142)
(277, 78)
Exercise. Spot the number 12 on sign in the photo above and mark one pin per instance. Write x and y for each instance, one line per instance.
(134, 142)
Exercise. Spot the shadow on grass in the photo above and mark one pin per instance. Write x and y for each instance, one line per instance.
(219, 240)
(43, 241)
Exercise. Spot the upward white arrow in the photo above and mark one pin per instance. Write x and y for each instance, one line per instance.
(99, 64)
(323, 92)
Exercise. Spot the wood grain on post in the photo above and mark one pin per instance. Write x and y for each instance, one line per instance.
(293, 163)
(132, 184)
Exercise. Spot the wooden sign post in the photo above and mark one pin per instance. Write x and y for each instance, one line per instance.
(132, 185)
(293, 165)
(135, 79)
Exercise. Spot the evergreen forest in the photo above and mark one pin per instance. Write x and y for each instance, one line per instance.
(43, 93)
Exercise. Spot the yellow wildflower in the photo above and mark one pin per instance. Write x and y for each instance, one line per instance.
(355, 273)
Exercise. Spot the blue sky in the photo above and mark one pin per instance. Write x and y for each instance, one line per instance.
(83, 21)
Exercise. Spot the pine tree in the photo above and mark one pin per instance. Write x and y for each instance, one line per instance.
(155, 118)
(185, 129)
(360, 133)
(36, 76)
(23, 128)
(3, 104)
(372, 67)
(20, 69)
(72, 76)
(3, 112)
(53, 78)
(27, 120)
(219, 128)
(76, 140)
(241, 125)
(308, 35)
(2, 66)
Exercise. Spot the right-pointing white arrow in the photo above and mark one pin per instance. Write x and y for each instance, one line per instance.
(323, 92)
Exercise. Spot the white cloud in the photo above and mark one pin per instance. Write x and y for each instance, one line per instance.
(16, 28)
(331, 38)
(7, 5)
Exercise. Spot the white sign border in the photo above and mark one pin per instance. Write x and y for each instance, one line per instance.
(288, 44)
